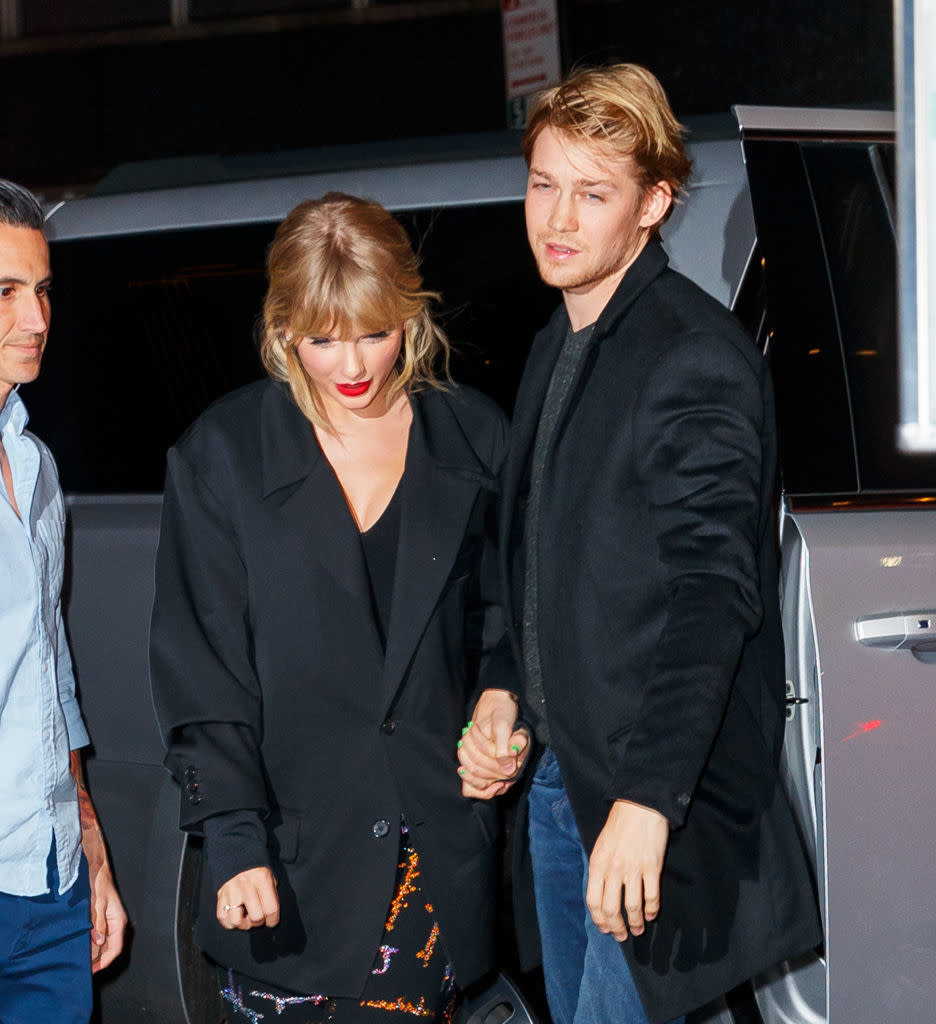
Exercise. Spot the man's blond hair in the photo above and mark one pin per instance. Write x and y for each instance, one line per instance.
(622, 111)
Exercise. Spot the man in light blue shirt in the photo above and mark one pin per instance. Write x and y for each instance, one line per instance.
(60, 915)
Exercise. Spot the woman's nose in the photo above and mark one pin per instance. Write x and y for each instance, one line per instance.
(353, 361)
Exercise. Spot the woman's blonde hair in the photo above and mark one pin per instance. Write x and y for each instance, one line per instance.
(620, 109)
(337, 265)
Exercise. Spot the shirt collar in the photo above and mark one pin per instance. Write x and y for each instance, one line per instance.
(13, 413)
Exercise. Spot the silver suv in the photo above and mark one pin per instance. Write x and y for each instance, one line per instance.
(159, 278)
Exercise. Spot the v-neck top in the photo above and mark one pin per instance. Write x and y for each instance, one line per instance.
(380, 544)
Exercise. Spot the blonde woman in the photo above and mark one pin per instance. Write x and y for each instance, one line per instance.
(324, 612)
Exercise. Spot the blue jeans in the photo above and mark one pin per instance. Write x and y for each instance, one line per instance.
(587, 977)
(45, 953)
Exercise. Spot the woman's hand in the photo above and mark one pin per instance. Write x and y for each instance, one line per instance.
(249, 900)
(491, 751)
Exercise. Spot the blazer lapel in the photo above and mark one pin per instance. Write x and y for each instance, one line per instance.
(299, 482)
(649, 264)
(442, 480)
(529, 403)
(534, 383)
(526, 414)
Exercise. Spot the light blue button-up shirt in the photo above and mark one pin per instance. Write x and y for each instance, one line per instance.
(39, 717)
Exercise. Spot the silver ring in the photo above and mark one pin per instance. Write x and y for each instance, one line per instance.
(230, 906)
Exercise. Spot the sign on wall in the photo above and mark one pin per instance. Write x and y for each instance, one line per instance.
(531, 52)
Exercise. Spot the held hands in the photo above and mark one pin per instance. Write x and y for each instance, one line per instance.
(625, 867)
(491, 752)
(249, 900)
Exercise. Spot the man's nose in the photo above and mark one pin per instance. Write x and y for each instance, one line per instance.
(562, 215)
(33, 314)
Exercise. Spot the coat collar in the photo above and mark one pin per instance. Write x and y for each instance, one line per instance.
(289, 451)
(440, 484)
(650, 263)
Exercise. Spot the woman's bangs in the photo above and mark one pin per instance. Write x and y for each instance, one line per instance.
(351, 306)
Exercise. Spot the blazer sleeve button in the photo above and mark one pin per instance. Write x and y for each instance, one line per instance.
(195, 798)
(381, 828)
(683, 799)
(388, 727)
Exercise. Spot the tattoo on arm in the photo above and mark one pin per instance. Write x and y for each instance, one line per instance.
(85, 807)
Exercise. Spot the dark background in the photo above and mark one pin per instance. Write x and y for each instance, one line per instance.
(94, 83)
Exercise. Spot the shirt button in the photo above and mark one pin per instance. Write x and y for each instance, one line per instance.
(388, 727)
(683, 799)
(195, 798)
(381, 828)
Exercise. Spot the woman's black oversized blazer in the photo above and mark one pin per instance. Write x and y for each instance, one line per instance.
(273, 692)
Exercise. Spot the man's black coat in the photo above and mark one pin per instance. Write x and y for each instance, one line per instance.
(659, 625)
(273, 692)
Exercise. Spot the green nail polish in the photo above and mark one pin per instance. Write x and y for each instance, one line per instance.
(515, 748)
(458, 745)
(469, 725)
(464, 729)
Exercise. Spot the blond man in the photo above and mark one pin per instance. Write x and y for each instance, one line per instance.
(639, 549)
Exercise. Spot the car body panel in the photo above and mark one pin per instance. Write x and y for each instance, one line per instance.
(858, 540)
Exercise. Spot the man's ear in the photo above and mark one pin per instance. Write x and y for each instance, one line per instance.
(657, 201)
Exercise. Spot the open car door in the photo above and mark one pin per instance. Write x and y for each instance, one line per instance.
(859, 568)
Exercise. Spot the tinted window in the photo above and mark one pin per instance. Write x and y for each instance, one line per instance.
(149, 329)
(146, 331)
(816, 442)
(855, 207)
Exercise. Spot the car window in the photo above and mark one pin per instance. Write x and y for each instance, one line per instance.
(149, 329)
(813, 413)
(852, 191)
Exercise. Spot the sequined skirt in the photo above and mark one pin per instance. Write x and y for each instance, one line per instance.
(411, 976)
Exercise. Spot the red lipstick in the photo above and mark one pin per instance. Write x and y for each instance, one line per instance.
(353, 390)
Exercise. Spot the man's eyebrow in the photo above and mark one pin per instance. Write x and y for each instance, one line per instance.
(594, 182)
(18, 280)
(579, 182)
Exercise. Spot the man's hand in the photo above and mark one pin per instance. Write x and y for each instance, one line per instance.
(625, 866)
(490, 752)
(108, 917)
(249, 900)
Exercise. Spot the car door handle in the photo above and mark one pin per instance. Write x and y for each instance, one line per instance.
(896, 631)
